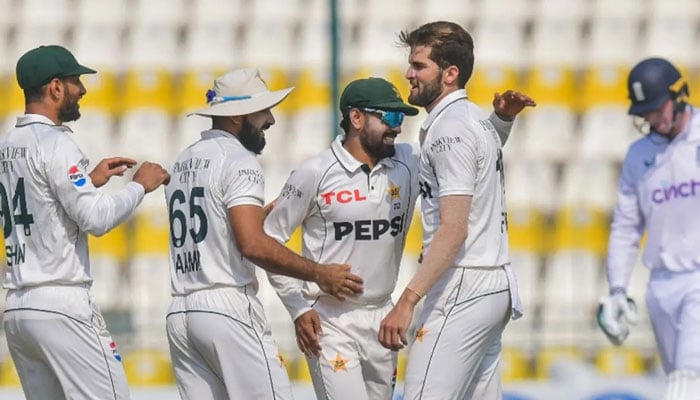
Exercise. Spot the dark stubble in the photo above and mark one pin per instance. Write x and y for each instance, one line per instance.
(251, 137)
(427, 96)
(69, 110)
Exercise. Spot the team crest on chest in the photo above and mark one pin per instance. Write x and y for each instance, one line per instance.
(394, 191)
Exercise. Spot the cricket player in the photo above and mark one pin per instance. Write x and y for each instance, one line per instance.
(659, 192)
(354, 203)
(220, 340)
(49, 203)
(465, 274)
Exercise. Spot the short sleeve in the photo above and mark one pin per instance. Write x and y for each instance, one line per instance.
(243, 182)
(292, 205)
(454, 156)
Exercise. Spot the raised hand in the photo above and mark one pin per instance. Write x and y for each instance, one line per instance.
(510, 103)
(151, 175)
(108, 168)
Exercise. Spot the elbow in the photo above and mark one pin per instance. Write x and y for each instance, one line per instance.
(459, 232)
(250, 248)
(98, 231)
(96, 228)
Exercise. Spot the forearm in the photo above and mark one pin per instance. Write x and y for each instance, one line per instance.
(622, 255)
(626, 231)
(274, 257)
(503, 126)
(446, 243)
(107, 210)
(289, 291)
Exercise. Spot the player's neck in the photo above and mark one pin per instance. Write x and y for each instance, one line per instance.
(354, 147)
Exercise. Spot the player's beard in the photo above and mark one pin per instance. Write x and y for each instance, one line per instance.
(377, 149)
(69, 110)
(428, 93)
(251, 137)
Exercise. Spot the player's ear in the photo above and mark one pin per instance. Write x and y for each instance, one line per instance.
(450, 74)
(356, 118)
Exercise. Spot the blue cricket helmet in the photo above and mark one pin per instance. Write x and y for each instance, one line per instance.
(651, 83)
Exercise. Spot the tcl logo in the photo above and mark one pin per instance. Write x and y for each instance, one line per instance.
(369, 229)
(343, 196)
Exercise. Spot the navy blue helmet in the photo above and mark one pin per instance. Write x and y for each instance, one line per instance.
(651, 83)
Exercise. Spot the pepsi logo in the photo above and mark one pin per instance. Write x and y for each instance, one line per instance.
(76, 176)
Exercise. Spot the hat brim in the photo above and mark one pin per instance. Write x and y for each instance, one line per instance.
(80, 70)
(397, 106)
(641, 109)
(245, 106)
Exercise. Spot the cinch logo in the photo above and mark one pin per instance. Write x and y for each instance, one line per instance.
(76, 176)
(343, 196)
(670, 192)
(369, 229)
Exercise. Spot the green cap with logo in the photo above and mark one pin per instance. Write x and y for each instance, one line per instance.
(373, 93)
(39, 66)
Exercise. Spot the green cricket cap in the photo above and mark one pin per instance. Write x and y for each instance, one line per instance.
(373, 93)
(39, 66)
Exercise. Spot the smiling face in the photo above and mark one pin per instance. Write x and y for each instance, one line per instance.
(425, 78)
(661, 119)
(377, 138)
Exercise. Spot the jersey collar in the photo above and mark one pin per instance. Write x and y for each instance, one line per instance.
(453, 97)
(349, 162)
(218, 133)
(33, 119)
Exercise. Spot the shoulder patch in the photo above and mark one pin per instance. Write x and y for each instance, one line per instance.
(76, 176)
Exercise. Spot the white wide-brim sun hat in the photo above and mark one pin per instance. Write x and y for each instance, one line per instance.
(240, 92)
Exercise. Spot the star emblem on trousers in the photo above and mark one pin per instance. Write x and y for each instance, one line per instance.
(339, 363)
(420, 333)
(281, 358)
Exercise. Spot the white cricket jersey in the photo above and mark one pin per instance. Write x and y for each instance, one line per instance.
(348, 214)
(48, 204)
(209, 177)
(461, 155)
(659, 190)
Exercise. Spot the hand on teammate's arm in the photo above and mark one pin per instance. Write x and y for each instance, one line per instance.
(308, 330)
(247, 224)
(449, 237)
(511, 103)
(108, 168)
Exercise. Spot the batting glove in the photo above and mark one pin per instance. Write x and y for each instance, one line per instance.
(615, 312)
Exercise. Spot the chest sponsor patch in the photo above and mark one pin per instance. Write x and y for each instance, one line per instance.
(76, 176)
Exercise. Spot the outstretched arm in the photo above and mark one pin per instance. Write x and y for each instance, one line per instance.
(506, 107)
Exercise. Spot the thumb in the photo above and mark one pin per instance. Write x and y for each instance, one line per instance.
(317, 326)
(629, 309)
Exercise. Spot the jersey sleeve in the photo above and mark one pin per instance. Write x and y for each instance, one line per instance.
(243, 182)
(291, 208)
(502, 126)
(93, 211)
(626, 229)
(454, 154)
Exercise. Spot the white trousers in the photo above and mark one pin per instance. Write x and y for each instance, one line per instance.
(673, 302)
(353, 365)
(222, 348)
(456, 352)
(60, 346)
